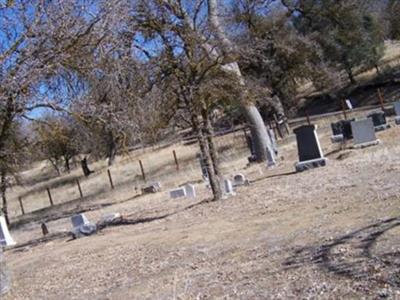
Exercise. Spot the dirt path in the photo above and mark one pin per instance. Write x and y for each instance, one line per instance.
(328, 233)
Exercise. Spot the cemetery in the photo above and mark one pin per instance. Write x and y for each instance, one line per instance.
(239, 149)
(251, 193)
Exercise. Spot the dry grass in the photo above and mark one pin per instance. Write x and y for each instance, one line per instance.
(329, 233)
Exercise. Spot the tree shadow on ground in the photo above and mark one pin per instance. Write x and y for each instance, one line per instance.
(122, 221)
(352, 256)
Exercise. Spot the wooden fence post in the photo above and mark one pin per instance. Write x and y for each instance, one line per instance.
(50, 198)
(381, 100)
(21, 205)
(176, 160)
(142, 170)
(79, 188)
(110, 179)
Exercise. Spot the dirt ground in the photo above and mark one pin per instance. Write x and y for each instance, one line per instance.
(328, 233)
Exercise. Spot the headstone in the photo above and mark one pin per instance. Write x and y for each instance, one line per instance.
(82, 226)
(346, 129)
(79, 220)
(240, 179)
(397, 112)
(379, 121)
(177, 193)
(364, 133)
(109, 218)
(228, 188)
(154, 187)
(349, 104)
(272, 136)
(190, 191)
(5, 236)
(341, 131)
(397, 108)
(309, 149)
(203, 166)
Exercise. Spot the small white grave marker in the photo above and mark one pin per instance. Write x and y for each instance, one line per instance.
(5, 237)
(190, 191)
(177, 193)
(228, 188)
(349, 104)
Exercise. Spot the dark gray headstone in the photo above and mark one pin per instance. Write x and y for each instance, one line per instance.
(154, 187)
(378, 118)
(343, 127)
(307, 143)
(363, 131)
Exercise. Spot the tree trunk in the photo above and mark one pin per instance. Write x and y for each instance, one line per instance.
(112, 148)
(209, 133)
(67, 164)
(3, 189)
(350, 74)
(85, 167)
(259, 134)
(205, 151)
(281, 118)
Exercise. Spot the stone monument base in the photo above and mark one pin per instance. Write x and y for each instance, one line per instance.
(368, 144)
(337, 138)
(310, 164)
(382, 127)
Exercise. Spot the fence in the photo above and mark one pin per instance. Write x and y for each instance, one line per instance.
(171, 163)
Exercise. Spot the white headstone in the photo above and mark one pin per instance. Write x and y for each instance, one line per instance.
(190, 191)
(363, 131)
(177, 193)
(5, 237)
(349, 104)
(397, 108)
(228, 187)
(79, 220)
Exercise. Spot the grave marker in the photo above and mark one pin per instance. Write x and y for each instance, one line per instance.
(190, 191)
(228, 188)
(309, 149)
(79, 220)
(341, 131)
(82, 226)
(364, 133)
(154, 187)
(240, 179)
(5, 236)
(178, 193)
(397, 112)
(379, 121)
